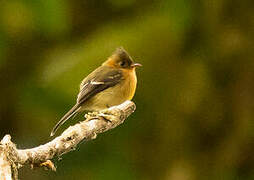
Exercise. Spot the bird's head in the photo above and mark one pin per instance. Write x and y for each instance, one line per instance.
(121, 59)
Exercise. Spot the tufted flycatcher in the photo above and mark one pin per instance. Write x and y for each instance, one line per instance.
(110, 84)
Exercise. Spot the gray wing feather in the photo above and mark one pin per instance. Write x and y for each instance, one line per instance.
(92, 85)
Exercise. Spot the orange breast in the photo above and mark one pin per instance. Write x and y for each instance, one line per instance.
(130, 83)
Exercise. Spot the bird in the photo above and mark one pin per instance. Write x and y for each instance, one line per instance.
(110, 84)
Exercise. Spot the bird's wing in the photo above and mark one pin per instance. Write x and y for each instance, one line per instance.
(97, 81)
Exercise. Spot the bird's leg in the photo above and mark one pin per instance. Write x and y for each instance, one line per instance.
(91, 115)
(109, 115)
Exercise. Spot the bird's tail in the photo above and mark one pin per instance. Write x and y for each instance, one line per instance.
(67, 116)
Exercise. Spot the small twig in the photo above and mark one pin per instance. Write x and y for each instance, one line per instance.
(5, 162)
(12, 158)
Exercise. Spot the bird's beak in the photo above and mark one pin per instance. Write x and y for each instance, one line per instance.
(136, 65)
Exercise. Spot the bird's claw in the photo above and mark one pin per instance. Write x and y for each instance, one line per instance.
(106, 114)
(109, 115)
(91, 115)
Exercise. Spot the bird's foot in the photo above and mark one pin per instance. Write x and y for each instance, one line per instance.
(91, 115)
(109, 115)
(106, 114)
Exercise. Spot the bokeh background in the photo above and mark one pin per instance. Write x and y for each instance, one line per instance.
(195, 95)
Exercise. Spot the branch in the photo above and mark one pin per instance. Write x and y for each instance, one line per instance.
(12, 158)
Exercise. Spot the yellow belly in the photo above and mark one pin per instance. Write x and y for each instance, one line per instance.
(112, 96)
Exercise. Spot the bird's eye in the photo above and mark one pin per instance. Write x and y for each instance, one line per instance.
(122, 63)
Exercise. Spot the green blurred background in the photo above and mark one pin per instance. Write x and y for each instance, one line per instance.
(195, 100)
